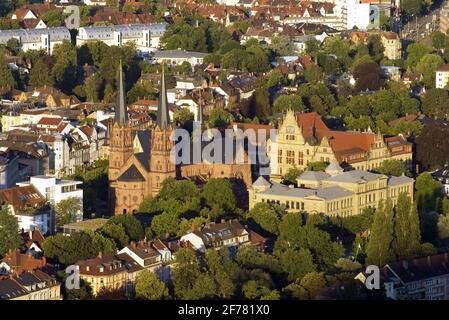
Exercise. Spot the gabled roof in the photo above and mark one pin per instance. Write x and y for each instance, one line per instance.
(131, 174)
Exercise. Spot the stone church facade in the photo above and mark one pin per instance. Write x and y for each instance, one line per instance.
(135, 173)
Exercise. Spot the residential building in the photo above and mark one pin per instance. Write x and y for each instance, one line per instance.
(177, 57)
(304, 138)
(442, 76)
(55, 190)
(35, 285)
(333, 192)
(103, 273)
(49, 96)
(145, 36)
(228, 233)
(9, 119)
(29, 206)
(36, 39)
(33, 240)
(392, 45)
(16, 262)
(424, 278)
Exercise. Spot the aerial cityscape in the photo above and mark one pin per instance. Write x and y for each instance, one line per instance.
(224, 150)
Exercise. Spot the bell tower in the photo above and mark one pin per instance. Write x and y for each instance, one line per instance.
(121, 137)
(162, 163)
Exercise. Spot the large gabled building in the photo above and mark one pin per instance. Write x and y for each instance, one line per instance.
(333, 192)
(135, 173)
(304, 138)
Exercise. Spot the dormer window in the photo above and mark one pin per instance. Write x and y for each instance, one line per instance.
(87, 268)
(101, 269)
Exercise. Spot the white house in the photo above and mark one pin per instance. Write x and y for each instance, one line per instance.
(442, 76)
(55, 190)
(228, 233)
(36, 39)
(29, 206)
(143, 35)
(177, 57)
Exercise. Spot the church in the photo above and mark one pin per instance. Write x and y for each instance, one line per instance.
(135, 173)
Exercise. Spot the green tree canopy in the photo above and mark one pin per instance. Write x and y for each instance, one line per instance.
(67, 211)
(9, 231)
(149, 287)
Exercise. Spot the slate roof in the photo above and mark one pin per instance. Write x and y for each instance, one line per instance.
(131, 174)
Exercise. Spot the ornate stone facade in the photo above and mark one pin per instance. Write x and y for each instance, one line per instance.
(304, 138)
(140, 161)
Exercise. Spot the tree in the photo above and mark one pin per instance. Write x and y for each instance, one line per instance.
(312, 46)
(188, 280)
(92, 87)
(53, 18)
(132, 226)
(116, 232)
(220, 268)
(317, 166)
(288, 102)
(432, 145)
(393, 167)
(129, 8)
(428, 191)
(294, 235)
(67, 211)
(6, 77)
(141, 90)
(427, 66)
(266, 217)
(415, 52)
(438, 39)
(13, 45)
(379, 246)
(184, 118)
(149, 287)
(79, 246)
(9, 231)
(313, 74)
(165, 224)
(219, 118)
(308, 287)
(40, 75)
(297, 263)
(291, 175)
(182, 190)
(435, 103)
(407, 233)
(368, 76)
(443, 226)
(281, 45)
(218, 193)
(412, 7)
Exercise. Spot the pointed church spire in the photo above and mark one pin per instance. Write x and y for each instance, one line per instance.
(163, 119)
(121, 114)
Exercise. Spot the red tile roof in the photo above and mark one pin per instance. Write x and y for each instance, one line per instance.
(47, 121)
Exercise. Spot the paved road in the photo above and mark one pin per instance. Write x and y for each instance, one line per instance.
(423, 25)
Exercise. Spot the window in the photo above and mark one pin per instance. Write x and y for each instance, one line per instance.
(290, 157)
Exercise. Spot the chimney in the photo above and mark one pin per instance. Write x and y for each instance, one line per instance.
(133, 244)
(100, 254)
(193, 227)
(223, 221)
(30, 234)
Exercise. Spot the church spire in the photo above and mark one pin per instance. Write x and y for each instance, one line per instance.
(163, 119)
(121, 114)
